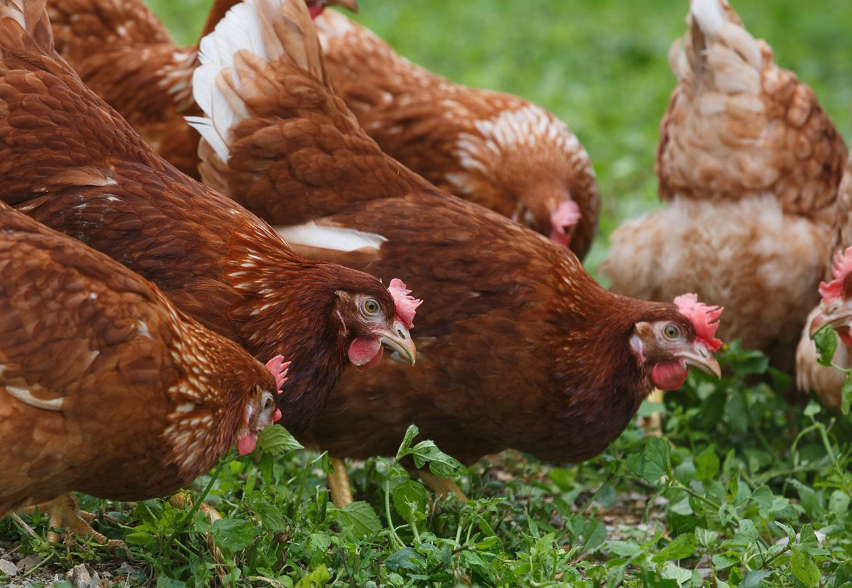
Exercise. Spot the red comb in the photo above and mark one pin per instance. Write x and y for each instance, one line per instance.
(278, 368)
(842, 266)
(704, 319)
(406, 306)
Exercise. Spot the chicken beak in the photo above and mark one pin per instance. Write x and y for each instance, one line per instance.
(699, 357)
(400, 341)
(833, 319)
(347, 4)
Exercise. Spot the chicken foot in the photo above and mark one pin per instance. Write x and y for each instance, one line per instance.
(338, 483)
(64, 512)
(441, 486)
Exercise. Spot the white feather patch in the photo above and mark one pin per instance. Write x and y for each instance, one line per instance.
(25, 395)
(332, 238)
(709, 16)
(242, 29)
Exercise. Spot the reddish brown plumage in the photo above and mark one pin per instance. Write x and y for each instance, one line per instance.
(149, 399)
(97, 181)
(494, 149)
(125, 54)
(519, 347)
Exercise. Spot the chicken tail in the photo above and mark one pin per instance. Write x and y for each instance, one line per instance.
(718, 53)
(29, 15)
(260, 48)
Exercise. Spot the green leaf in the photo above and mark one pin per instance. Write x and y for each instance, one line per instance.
(166, 582)
(803, 568)
(813, 408)
(139, 538)
(410, 434)
(653, 462)
(359, 520)
(233, 534)
(732, 489)
(440, 464)
(754, 579)
(316, 579)
(826, 344)
(748, 530)
(707, 464)
(409, 498)
(838, 503)
(624, 548)
(270, 517)
(683, 546)
(405, 559)
(846, 394)
(706, 538)
(277, 441)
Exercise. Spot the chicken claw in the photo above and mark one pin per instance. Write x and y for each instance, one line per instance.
(64, 513)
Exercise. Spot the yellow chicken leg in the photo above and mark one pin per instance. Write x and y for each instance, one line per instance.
(338, 483)
(65, 513)
(653, 423)
(441, 486)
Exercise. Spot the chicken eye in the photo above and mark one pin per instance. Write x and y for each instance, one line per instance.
(671, 332)
(267, 401)
(371, 306)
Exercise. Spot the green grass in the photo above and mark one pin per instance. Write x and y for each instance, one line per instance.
(739, 472)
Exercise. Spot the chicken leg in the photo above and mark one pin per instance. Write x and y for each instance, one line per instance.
(441, 486)
(338, 483)
(653, 423)
(64, 512)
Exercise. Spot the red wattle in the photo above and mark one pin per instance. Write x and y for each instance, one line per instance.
(247, 443)
(669, 375)
(365, 352)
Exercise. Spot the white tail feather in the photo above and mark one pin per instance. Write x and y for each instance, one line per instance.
(250, 27)
(709, 16)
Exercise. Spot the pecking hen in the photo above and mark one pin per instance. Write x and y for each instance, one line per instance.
(748, 166)
(106, 388)
(125, 54)
(827, 382)
(493, 149)
(520, 347)
(72, 163)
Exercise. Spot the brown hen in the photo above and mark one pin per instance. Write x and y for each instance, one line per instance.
(493, 149)
(827, 382)
(72, 163)
(125, 54)
(520, 347)
(748, 165)
(106, 388)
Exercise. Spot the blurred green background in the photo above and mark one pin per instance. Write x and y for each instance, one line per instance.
(601, 65)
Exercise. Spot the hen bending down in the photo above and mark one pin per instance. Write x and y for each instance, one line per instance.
(106, 388)
(72, 163)
(125, 54)
(521, 348)
(494, 149)
(748, 165)
(826, 381)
